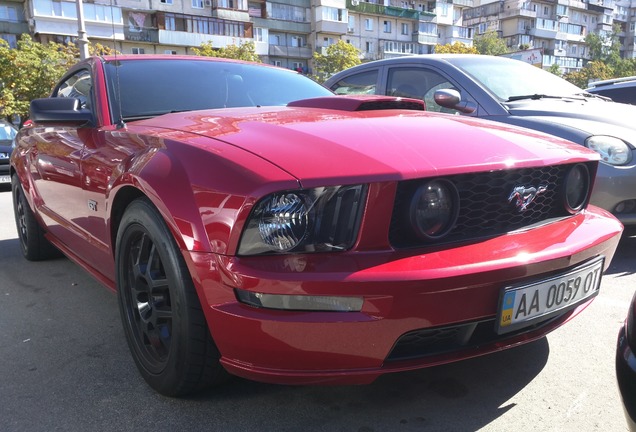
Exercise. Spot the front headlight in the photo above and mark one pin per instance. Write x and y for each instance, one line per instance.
(613, 151)
(313, 220)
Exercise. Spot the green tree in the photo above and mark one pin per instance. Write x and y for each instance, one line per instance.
(604, 46)
(30, 71)
(593, 71)
(455, 48)
(490, 43)
(555, 69)
(338, 56)
(243, 51)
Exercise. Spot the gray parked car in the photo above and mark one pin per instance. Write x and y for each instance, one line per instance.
(514, 92)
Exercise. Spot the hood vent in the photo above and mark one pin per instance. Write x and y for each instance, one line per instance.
(360, 103)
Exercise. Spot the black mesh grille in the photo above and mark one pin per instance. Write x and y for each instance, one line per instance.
(485, 209)
(428, 342)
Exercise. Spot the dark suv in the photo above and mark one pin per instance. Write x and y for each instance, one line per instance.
(618, 89)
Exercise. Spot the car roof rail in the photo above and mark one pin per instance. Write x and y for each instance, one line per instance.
(612, 81)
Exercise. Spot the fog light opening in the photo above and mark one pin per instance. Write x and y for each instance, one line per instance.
(625, 207)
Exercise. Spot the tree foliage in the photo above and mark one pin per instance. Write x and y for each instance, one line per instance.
(244, 51)
(455, 48)
(338, 56)
(490, 43)
(593, 71)
(30, 71)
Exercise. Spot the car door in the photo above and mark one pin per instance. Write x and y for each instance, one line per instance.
(56, 165)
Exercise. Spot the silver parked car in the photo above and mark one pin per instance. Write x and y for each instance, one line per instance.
(517, 93)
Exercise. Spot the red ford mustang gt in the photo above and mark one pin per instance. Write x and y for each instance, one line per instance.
(253, 223)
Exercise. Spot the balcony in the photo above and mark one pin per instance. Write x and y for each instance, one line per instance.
(290, 52)
(231, 14)
(392, 11)
(464, 3)
(544, 29)
(149, 35)
(13, 27)
(518, 12)
(425, 39)
(283, 25)
(331, 27)
(180, 38)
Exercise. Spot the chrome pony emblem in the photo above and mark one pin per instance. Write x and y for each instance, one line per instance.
(524, 196)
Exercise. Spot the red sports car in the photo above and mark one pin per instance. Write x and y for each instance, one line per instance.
(253, 223)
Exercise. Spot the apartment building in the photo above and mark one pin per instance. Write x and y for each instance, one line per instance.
(287, 32)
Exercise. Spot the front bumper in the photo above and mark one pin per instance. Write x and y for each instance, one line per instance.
(406, 294)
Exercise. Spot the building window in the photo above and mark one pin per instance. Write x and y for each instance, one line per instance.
(352, 24)
(260, 34)
(405, 28)
(298, 67)
(138, 51)
(168, 2)
(169, 52)
(369, 47)
(8, 13)
(277, 63)
(197, 4)
(387, 26)
(274, 39)
(334, 14)
(297, 41)
(368, 24)
(11, 39)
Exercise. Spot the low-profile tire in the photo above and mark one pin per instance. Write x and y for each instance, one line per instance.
(163, 321)
(34, 246)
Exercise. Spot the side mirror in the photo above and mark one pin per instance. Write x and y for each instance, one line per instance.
(60, 110)
(452, 99)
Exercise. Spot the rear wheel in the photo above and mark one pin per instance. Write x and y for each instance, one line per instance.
(31, 235)
(161, 313)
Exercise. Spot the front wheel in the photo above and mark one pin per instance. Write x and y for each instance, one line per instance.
(163, 321)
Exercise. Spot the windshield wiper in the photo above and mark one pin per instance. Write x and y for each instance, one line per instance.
(535, 96)
(147, 115)
(594, 96)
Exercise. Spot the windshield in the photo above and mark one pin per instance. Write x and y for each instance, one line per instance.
(154, 87)
(508, 78)
(7, 132)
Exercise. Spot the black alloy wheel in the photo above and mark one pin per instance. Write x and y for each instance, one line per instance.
(163, 321)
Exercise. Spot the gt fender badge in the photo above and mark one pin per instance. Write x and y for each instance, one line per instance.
(524, 196)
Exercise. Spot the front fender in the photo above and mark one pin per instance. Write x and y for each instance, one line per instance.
(204, 189)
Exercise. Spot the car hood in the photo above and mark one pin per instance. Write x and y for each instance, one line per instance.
(313, 143)
(591, 116)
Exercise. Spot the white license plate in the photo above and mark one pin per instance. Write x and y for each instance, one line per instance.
(5, 179)
(524, 305)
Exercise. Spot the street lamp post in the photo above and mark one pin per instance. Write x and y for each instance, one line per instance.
(82, 40)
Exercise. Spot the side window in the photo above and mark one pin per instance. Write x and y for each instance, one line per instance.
(362, 83)
(79, 86)
(418, 83)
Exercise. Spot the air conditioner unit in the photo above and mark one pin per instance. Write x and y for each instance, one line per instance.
(355, 2)
(208, 2)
